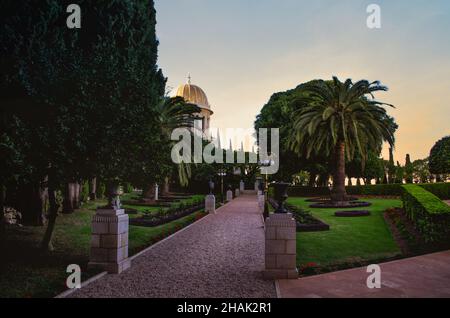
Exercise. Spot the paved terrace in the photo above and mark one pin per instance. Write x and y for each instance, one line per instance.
(418, 277)
(222, 255)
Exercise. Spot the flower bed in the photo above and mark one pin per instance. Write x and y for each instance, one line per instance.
(345, 205)
(327, 199)
(306, 222)
(164, 216)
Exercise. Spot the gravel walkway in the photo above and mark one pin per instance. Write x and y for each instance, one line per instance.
(222, 255)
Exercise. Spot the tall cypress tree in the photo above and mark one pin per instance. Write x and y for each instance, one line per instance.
(89, 95)
(409, 169)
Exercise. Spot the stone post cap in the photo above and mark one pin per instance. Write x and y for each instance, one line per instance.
(110, 212)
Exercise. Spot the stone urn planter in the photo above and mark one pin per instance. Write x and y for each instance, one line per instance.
(280, 194)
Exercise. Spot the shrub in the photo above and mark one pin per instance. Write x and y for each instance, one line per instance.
(430, 215)
(440, 157)
(298, 191)
(127, 188)
(441, 190)
(376, 189)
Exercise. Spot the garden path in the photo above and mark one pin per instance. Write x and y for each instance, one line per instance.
(221, 255)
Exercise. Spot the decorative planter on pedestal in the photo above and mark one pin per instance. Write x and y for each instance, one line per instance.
(229, 195)
(109, 240)
(210, 204)
(261, 201)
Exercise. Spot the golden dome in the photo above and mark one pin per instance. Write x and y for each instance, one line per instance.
(193, 94)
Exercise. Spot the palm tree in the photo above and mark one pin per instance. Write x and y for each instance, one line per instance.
(337, 119)
(175, 112)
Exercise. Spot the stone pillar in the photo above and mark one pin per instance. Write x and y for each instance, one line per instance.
(237, 193)
(229, 195)
(156, 192)
(242, 186)
(281, 244)
(256, 185)
(109, 241)
(261, 201)
(210, 204)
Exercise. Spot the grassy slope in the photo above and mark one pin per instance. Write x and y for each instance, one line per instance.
(26, 272)
(349, 239)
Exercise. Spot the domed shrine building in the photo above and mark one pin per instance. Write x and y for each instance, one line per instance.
(195, 95)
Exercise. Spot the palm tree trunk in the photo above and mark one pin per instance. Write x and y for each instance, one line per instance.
(338, 194)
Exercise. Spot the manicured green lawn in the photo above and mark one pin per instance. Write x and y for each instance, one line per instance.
(349, 239)
(26, 272)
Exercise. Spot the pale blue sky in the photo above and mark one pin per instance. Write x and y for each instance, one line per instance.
(242, 51)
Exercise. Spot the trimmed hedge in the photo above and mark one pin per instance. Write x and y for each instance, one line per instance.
(441, 190)
(376, 189)
(307, 191)
(430, 215)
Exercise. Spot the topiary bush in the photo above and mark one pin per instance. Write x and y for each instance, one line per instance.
(430, 214)
(441, 190)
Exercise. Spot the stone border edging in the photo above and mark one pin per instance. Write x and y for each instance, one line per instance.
(277, 289)
(93, 279)
(83, 284)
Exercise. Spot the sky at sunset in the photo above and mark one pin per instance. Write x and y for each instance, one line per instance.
(242, 51)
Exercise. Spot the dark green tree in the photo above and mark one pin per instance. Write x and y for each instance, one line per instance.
(421, 171)
(88, 97)
(440, 157)
(409, 170)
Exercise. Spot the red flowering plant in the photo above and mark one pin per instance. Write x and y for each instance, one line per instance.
(308, 268)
